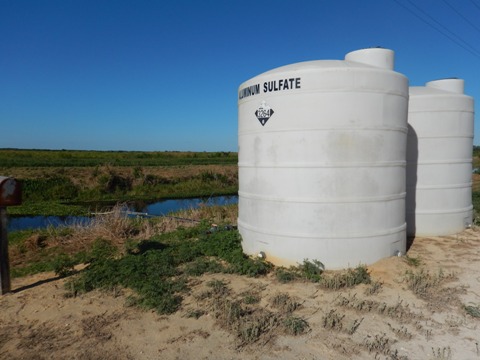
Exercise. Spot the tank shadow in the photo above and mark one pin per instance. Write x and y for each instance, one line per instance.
(411, 184)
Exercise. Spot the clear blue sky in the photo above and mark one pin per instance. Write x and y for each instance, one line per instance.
(164, 75)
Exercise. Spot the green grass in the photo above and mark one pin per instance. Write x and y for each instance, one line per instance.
(158, 268)
(69, 158)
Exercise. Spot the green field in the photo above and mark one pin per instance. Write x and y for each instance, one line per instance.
(63, 182)
(76, 158)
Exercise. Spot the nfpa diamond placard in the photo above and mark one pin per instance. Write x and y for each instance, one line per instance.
(263, 113)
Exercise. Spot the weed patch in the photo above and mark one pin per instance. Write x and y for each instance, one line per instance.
(429, 287)
(219, 288)
(444, 353)
(333, 321)
(194, 313)
(295, 325)
(311, 270)
(374, 288)
(254, 324)
(402, 332)
(284, 303)
(242, 315)
(314, 271)
(284, 275)
(251, 298)
(472, 310)
(258, 325)
(379, 344)
(398, 311)
(345, 279)
(412, 261)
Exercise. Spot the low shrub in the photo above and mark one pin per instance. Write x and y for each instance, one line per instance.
(284, 275)
(284, 303)
(63, 265)
(472, 310)
(346, 279)
(422, 282)
(295, 325)
(311, 270)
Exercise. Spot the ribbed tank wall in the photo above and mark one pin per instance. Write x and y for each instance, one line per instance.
(439, 159)
(322, 161)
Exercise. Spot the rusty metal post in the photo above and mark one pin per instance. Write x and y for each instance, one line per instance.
(10, 195)
(4, 263)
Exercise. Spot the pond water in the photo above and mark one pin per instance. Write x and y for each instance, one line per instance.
(158, 208)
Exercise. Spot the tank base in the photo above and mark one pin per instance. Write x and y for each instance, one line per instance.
(334, 254)
(435, 224)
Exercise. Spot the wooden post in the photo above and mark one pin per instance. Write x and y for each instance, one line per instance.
(4, 263)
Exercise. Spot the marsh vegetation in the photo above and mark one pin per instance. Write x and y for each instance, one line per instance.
(75, 182)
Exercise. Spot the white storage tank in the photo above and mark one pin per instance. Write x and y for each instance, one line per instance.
(439, 159)
(322, 161)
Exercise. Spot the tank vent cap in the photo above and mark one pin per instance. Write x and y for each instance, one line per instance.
(378, 57)
(453, 85)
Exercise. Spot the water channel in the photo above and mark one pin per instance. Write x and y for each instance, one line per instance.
(159, 208)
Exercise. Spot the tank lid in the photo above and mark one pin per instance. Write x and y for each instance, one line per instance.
(378, 57)
(452, 85)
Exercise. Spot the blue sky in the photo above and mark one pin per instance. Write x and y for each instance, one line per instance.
(164, 75)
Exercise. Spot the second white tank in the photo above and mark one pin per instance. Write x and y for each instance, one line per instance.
(439, 159)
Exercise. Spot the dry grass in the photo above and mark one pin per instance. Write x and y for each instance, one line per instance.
(114, 226)
(431, 288)
(118, 228)
(217, 215)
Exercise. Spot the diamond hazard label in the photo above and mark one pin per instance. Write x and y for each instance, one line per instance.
(263, 113)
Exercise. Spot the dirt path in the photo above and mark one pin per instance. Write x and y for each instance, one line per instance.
(385, 320)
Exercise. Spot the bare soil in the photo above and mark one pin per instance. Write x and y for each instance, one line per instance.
(385, 320)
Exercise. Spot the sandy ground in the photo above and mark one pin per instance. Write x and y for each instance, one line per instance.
(387, 322)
